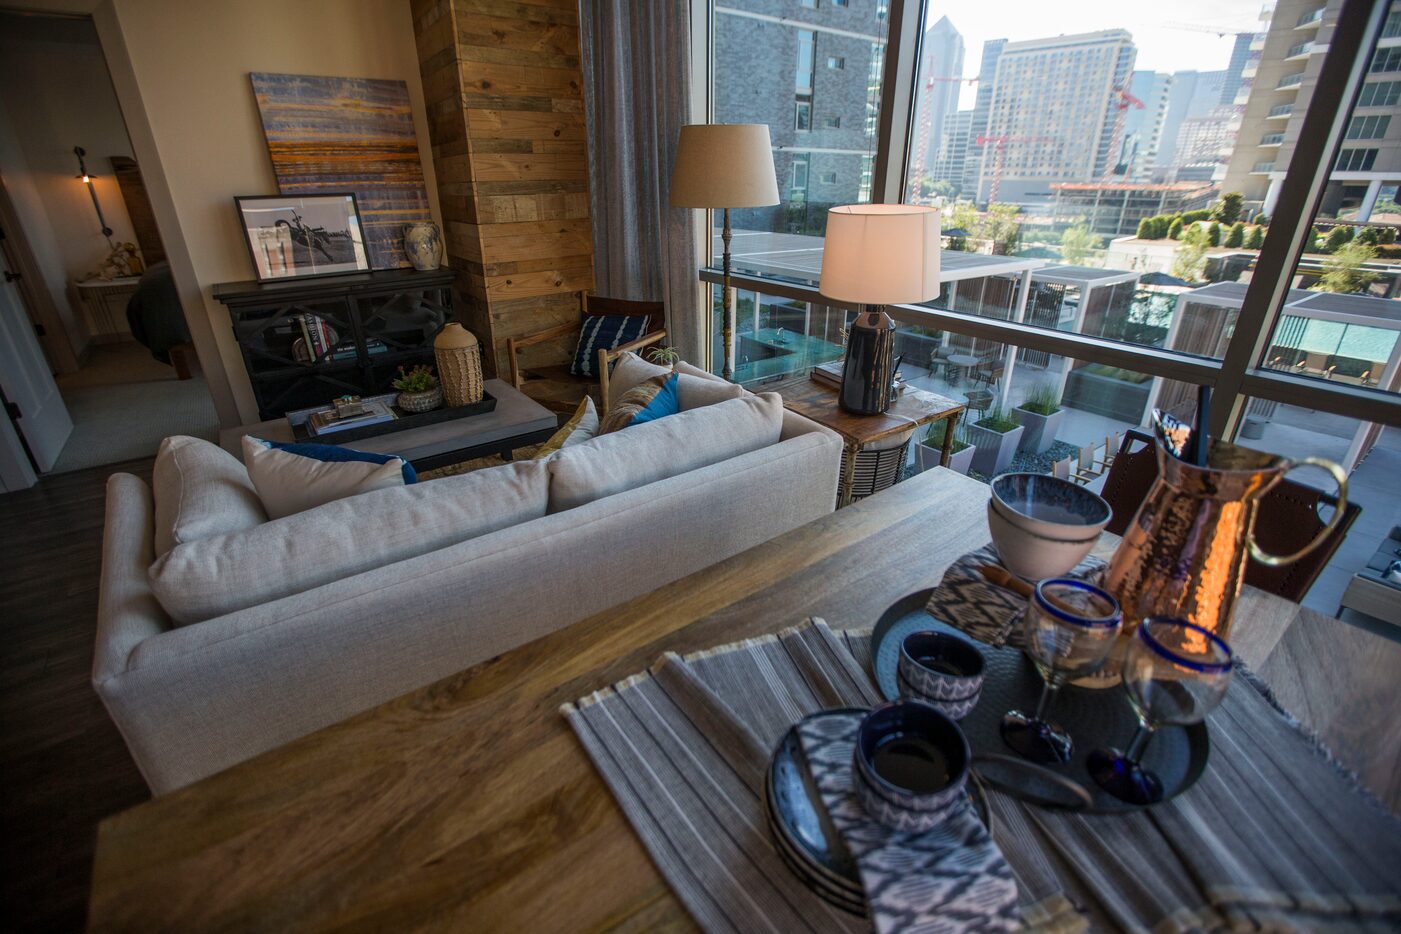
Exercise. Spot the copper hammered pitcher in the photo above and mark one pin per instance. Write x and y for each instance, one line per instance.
(1184, 553)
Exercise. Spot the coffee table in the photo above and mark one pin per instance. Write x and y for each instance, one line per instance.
(469, 803)
(516, 422)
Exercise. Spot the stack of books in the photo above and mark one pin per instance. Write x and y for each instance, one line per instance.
(369, 412)
(830, 374)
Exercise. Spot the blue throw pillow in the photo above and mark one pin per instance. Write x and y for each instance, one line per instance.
(666, 402)
(604, 332)
(336, 454)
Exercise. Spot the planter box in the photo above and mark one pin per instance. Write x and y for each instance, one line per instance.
(927, 458)
(995, 449)
(1113, 398)
(1040, 431)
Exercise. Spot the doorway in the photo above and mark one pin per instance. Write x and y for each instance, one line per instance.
(104, 309)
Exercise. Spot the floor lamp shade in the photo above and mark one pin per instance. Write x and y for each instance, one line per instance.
(881, 254)
(724, 165)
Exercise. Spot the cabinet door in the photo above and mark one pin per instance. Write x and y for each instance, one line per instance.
(299, 354)
(397, 329)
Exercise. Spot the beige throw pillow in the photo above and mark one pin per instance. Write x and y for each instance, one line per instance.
(290, 483)
(582, 426)
(200, 491)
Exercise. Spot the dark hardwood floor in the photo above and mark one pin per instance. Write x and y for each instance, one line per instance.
(65, 765)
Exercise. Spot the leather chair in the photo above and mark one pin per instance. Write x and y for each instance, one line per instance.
(1286, 521)
(550, 383)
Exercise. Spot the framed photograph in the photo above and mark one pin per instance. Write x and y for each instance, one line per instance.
(298, 236)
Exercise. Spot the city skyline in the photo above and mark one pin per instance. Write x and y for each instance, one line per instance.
(1160, 43)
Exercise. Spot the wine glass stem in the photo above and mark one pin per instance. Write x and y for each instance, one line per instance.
(1141, 736)
(1048, 691)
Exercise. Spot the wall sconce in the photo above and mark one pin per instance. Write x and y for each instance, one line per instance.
(86, 179)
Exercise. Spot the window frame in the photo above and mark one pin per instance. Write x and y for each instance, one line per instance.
(1238, 377)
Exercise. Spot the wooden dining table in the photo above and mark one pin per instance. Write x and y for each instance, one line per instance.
(469, 803)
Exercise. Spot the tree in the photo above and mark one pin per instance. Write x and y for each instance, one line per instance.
(1389, 235)
(1343, 272)
(1190, 258)
(1256, 239)
(1078, 242)
(1338, 238)
(1227, 210)
(1175, 228)
(1260, 219)
(1001, 226)
(1237, 235)
(1369, 235)
(1213, 234)
(1145, 229)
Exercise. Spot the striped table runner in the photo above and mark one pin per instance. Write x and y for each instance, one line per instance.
(1274, 836)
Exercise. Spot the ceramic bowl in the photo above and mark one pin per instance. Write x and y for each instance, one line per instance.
(942, 670)
(910, 764)
(1030, 556)
(1050, 507)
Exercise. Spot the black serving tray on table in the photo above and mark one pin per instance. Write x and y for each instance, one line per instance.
(1097, 718)
(403, 422)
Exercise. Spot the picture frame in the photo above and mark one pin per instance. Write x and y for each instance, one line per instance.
(303, 236)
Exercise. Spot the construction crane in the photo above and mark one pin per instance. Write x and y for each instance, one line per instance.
(1123, 100)
(1219, 32)
(1000, 144)
(922, 154)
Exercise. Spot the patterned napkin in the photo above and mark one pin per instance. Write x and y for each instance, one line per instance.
(950, 879)
(969, 602)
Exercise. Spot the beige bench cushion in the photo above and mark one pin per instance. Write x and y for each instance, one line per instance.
(213, 576)
(643, 454)
(200, 491)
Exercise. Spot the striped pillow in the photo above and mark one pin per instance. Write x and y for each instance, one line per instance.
(648, 401)
(604, 332)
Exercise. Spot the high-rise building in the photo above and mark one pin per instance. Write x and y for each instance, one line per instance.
(1368, 166)
(1194, 95)
(952, 158)
(1054, 115)
(1143, 127)
(940, 78)
(1236, 68)
(808, 76)
(982, 105)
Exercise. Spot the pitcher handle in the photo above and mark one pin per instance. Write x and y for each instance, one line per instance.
(1340, 477)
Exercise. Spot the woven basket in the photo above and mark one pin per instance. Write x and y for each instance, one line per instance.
(459, 357)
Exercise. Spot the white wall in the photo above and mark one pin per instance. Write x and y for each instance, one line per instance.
(55, 94)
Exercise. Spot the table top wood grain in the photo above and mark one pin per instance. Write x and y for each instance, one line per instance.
(470, 803)
(818, 401)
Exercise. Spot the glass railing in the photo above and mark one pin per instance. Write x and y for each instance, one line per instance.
(1310, 18)
(1280, 110)
(1271, 139)
(1290, 81)
(1261, 167)
(1302, 48)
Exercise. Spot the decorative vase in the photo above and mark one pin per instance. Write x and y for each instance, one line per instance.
(423, 245)
(425, 401)
(459, 357)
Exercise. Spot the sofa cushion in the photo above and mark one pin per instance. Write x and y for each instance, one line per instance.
(647, 401)
(200, 491)
(629, 370)
(625, 460)
(696, 391)
(604, 332)
(582, 426)
(292, 478)
(214, 576)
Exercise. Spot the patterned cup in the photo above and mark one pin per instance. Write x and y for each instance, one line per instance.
(910, 765)
(942, 670)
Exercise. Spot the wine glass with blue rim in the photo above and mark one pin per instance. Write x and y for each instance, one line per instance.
(1174, 673)
(1069, 629)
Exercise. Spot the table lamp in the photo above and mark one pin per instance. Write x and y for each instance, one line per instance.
(724, 165)
(873, 255)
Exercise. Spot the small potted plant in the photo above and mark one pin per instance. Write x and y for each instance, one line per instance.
(930, 448)
(418, 389)
(1040, 414)
(996, 436)
(664, 356)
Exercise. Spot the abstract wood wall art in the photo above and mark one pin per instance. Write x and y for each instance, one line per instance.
(348, 134)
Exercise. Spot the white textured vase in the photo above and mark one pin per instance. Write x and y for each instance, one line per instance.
(423, 245)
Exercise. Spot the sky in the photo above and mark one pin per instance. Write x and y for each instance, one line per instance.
(1161, 46)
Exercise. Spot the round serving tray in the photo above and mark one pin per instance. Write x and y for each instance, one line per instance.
(1096, 719)
(803, 833)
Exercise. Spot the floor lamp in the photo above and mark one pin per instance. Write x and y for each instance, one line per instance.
(723, 166)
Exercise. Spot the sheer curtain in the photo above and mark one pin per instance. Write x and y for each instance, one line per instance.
(636, 63)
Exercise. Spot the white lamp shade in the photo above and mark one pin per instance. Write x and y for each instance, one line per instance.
(724, 165)
(881, 254)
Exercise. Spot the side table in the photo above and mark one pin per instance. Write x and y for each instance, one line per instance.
(864, 433)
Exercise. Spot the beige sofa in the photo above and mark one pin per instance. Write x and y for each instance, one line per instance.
(291, 625)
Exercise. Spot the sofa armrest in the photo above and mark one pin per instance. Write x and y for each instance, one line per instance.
(127, 611)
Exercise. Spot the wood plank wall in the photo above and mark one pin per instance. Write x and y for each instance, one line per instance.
(504, 92)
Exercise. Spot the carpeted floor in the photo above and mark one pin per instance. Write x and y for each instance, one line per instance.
(123, 403)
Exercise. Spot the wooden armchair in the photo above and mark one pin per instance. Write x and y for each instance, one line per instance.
(552, 385)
